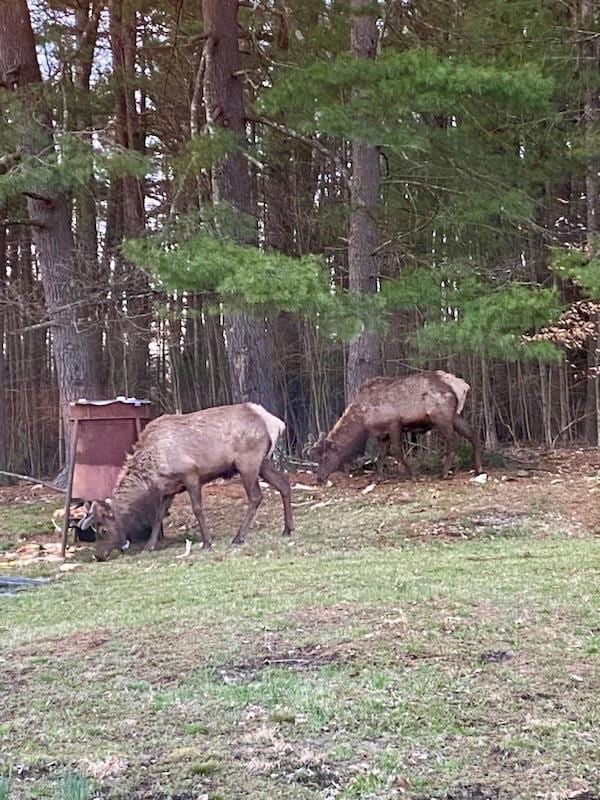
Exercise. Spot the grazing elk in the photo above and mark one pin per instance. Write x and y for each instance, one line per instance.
(384, 407)
(182, 452)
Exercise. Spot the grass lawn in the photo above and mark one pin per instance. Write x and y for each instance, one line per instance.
(355, 661)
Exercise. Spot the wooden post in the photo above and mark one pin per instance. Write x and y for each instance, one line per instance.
(65, 530)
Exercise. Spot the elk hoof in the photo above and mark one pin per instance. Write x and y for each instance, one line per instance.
(287, 532)
(238, 540)
(207, 545)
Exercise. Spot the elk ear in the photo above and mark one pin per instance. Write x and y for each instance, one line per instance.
(106, 508)
(98, 514)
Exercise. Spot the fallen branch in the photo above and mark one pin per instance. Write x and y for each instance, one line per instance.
(29, 479)
(508, 457)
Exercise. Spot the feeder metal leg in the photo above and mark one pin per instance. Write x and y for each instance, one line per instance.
(65, 529)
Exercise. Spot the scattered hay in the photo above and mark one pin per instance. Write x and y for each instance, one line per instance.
(32, 553)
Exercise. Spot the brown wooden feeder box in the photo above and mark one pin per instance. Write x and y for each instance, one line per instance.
(104, 432)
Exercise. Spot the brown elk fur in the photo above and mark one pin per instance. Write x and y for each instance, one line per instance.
(384, 407)
(182, 452)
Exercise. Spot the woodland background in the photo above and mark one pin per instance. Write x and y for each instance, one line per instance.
(202, 202)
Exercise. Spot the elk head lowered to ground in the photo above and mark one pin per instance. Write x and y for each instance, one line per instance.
(384, 407)
(182, 452)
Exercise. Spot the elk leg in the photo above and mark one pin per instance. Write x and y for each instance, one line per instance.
(195, 493)
(464, 429)
(447, 431)
(396, 448)
(162, 509)
(254, 500)
(278, 480)
(161, 532)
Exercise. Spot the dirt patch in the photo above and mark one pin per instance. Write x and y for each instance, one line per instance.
(556, 489)
(66, 646)
(475, 791)
(495, 522)
(29, 493)
(150, 793)
(496, 656)
(319, 617)
(298, 659)
(163, 658)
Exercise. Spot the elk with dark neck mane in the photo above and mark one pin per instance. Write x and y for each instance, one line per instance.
(182, 452)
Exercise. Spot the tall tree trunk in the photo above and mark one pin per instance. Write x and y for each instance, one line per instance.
(50, 215)
(246, 337)
(591, 115)
(87, 17)
(129, 136)
(489, 415)
(3, 406)
(363, 353)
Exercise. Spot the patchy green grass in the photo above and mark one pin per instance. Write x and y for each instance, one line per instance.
(75, 787)
(24, 519)
(353, 661)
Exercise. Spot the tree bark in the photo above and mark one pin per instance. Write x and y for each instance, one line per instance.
(246, 337)
(87, 17)
(135, 328)
(3, 407)
(591, 117)
(363, 352)
(50, 215)
(489, 416)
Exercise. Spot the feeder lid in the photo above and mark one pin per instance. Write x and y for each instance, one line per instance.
(133, 401)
